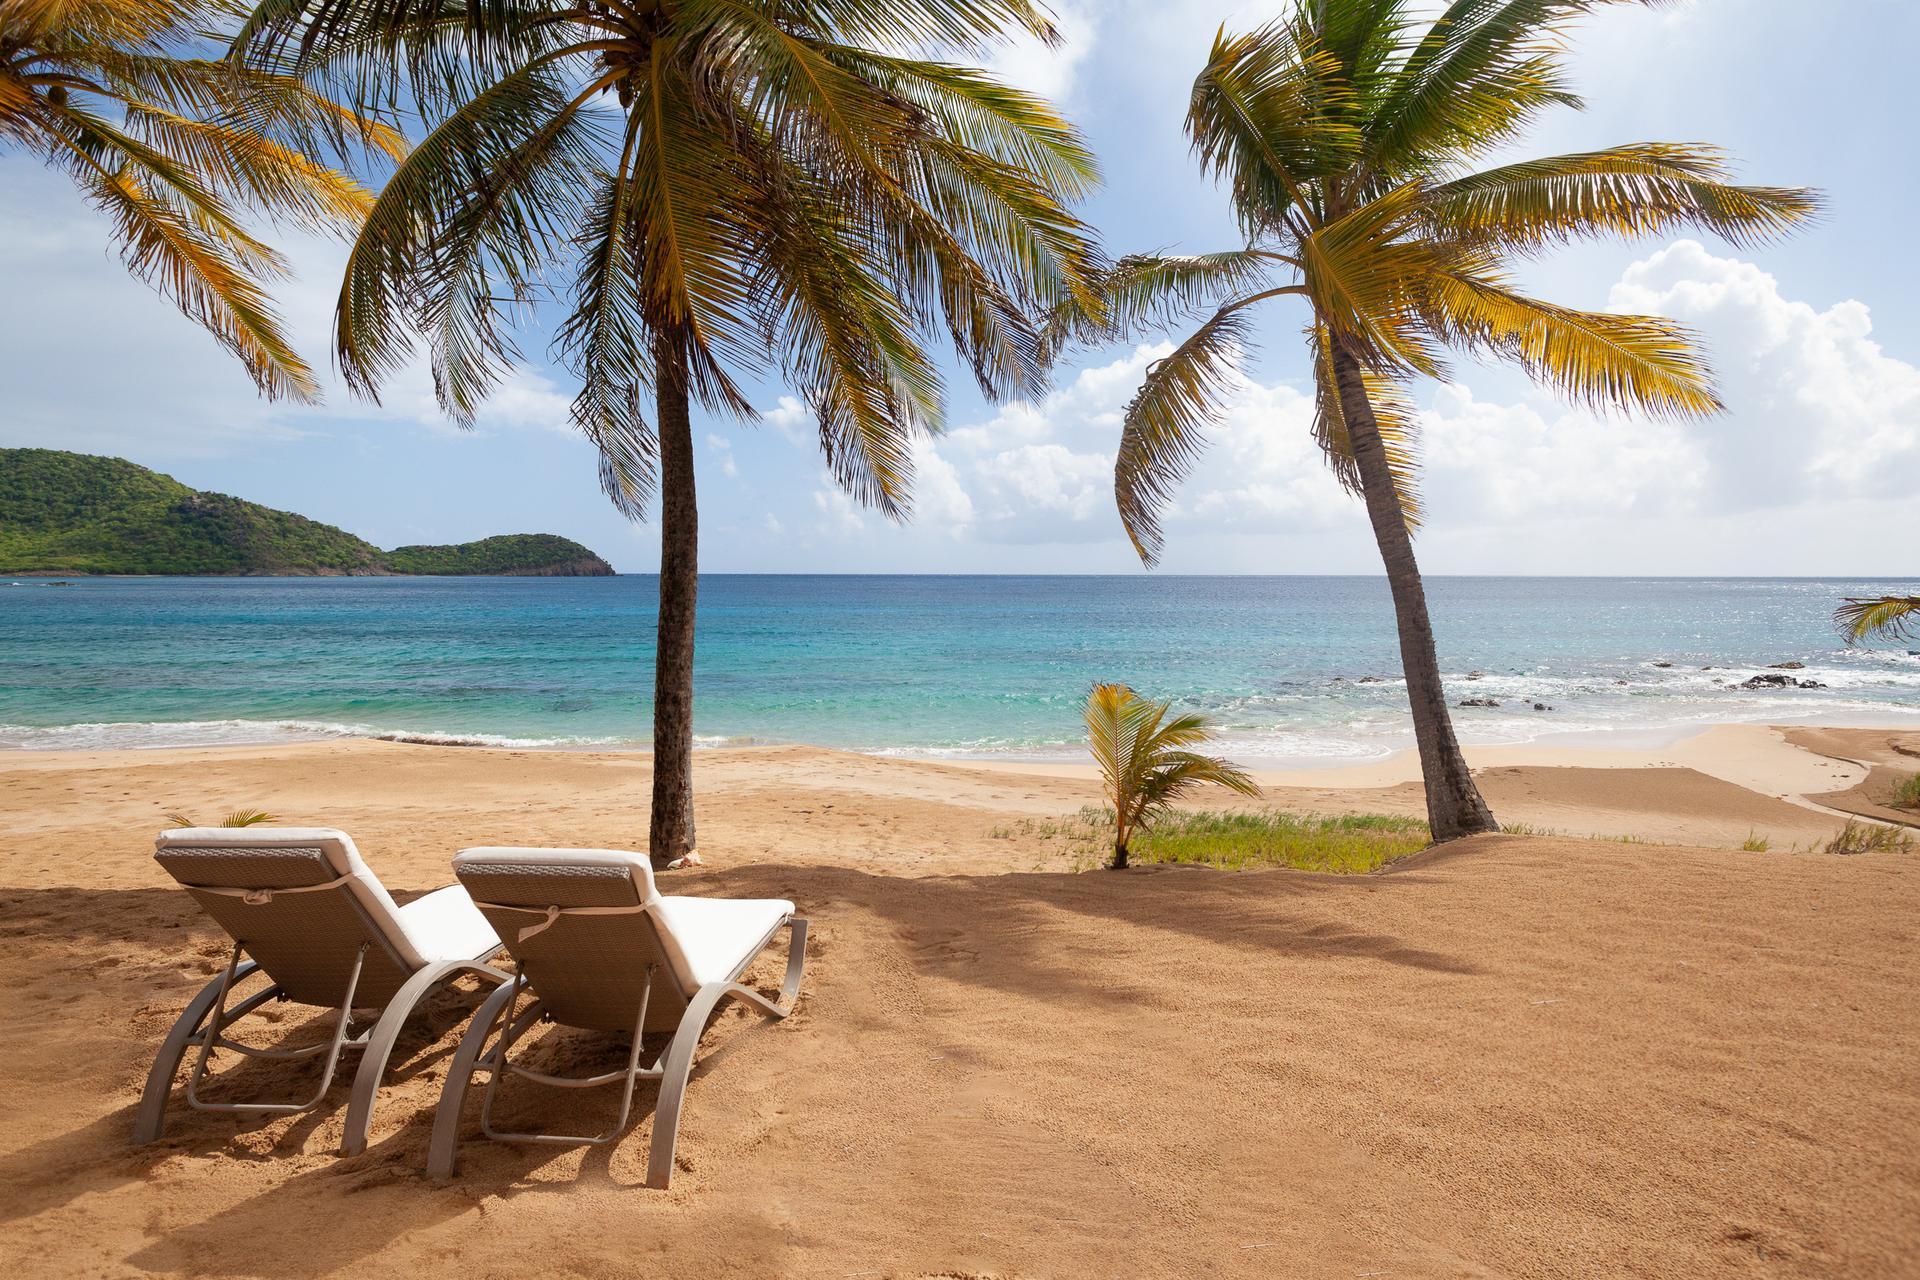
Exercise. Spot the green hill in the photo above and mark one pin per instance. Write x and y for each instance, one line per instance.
(522, 553)
(74, 513)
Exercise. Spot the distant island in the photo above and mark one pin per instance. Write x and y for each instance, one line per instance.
(75, 513)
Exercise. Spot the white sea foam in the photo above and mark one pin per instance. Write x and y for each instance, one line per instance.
(140, 735)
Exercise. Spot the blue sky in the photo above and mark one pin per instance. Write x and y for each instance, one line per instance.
(1817, 343)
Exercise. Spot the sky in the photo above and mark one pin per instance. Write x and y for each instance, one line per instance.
(1814, 469)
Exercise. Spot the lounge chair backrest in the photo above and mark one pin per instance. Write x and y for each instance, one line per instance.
(583, 926)
(301, 901)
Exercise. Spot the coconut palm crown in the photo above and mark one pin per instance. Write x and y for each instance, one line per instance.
(1348, 135)
(713, 191)
(180, 150)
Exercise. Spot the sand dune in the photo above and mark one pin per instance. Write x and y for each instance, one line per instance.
(1515, 1056)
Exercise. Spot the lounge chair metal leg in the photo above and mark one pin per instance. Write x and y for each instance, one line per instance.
(379, 1045)
(221, 1018)
(152, 1115)
(441, 1151)
(678, 1063)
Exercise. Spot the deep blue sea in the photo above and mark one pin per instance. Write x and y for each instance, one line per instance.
(1293, 669)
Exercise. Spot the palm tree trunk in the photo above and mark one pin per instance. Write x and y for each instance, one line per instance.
(1454, 805)
(670, 834)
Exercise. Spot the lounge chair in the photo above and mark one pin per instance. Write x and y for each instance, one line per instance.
(305, 911)
(600, 949)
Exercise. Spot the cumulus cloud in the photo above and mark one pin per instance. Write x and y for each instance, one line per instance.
(1816, 413)
(1815, 407)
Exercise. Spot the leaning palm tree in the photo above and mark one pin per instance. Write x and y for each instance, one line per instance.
(177, 150)
(716, 189)
(1144, 761)
(1887, 617)
(1346, 133)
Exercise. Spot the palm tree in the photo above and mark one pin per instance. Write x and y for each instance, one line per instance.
(1346, 134)
(175, 150)
(1888, 617)
(1144, 762)
(716, 188)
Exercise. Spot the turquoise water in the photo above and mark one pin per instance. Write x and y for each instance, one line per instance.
(924, 665)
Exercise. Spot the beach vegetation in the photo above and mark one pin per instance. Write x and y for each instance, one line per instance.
(715, 193)
(1906, 795)
(1337, 844)
(1869, 837)
(1755, 843)
(1878, 617)
(1344, 844)
(179, 152)
(1146, 763)
(238, 818)
(1349, 134)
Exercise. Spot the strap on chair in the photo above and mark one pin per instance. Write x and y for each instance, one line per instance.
(260, 897)
(553, 914)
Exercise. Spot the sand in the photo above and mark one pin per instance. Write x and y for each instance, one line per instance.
(1512, 1056)
(1882, 762)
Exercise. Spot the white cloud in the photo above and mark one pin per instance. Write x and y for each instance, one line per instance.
(840, 515)
(939, 500)
(791, 419)
(1489, 463)
(1815, 408)
(1028, 64)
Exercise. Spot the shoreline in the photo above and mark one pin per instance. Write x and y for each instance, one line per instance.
(1389, 759)
(1789, 783)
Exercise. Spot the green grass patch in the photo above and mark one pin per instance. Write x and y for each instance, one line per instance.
(1907, 794)
(1861, 837)
(1346, 844)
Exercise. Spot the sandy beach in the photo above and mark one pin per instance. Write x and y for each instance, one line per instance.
(1520, 1055)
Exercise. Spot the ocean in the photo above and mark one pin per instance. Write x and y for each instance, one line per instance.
(1292, 669)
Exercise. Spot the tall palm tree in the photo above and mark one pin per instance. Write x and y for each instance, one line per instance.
(1888, 617)
(1347, 134)
(716, 188)
(177, 150)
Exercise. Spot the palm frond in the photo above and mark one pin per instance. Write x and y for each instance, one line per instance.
(488, 186)
(1271, 115)
(1145, 291)
(1162, 435)
(1630, 191)
(1594, 358)
(1364, 272)
(1481, 73)
(1884, 617)
(161, 245)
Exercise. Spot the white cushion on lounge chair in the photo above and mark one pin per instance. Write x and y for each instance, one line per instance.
(445, 925)
(717, 935)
